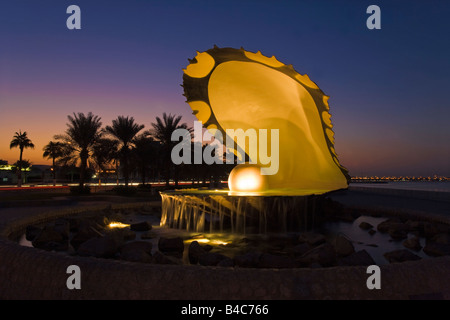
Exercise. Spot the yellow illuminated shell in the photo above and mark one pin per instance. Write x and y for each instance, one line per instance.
(231, 88)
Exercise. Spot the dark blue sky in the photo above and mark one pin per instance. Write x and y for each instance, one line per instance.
(388, 88)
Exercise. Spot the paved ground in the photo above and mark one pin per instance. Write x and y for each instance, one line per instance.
(9, 214)
(363, 199)
(348, 197)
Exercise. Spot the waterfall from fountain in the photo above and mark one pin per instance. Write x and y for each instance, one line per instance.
(216, 211)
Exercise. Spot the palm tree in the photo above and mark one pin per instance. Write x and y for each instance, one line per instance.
(124, 130)
(23, 166)
(145, 153)
(83, 131)
(104, 153)
(162, 131)
(53, 150)
(21, 141)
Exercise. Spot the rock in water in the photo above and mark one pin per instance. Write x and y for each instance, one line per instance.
(323, 254)
(432, 229)
(211, 259)
(248, 260)
(63, 227)
(268, 260)
(32, 232)
(299, 249)
(103, 247)
(312, 238)
(171, 245)
(398, 231)
(343, 246)
(359, 258)
(50, 239)
(195, 251)
(141, 226)
(442, 238)
(412, 243)
(136, 256)
(384, 226)
(137, 251)
(144, 246)
(84, 234)
(365, 225)
(160, 258)
(435, 249)
(227, 262)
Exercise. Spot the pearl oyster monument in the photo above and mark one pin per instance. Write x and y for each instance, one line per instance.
(237, 91)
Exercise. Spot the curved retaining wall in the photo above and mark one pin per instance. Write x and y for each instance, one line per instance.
(28, 273)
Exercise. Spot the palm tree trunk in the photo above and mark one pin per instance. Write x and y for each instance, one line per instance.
(175, 173)
(125, 171)
(117, 173)
(168, 165)
(19, 182)
(143, 174)
(83, 167)
(82, 173)
(167, 174)
(54, 172)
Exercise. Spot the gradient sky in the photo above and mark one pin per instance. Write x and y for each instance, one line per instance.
(388, 88)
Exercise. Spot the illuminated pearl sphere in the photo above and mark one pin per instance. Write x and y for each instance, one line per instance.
(247, 178)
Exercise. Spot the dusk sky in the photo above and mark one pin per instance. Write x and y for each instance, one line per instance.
(389, 88)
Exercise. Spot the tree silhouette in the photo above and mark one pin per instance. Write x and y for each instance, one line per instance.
(21, 141)
(162, 131)
(53, 150)
(105, 151)
(83, 131)
(145, 155)
(124, 130)
(23, 166)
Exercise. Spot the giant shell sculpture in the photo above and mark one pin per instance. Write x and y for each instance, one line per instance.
(231, 88)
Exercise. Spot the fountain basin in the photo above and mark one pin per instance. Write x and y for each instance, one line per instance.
(38, 274)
